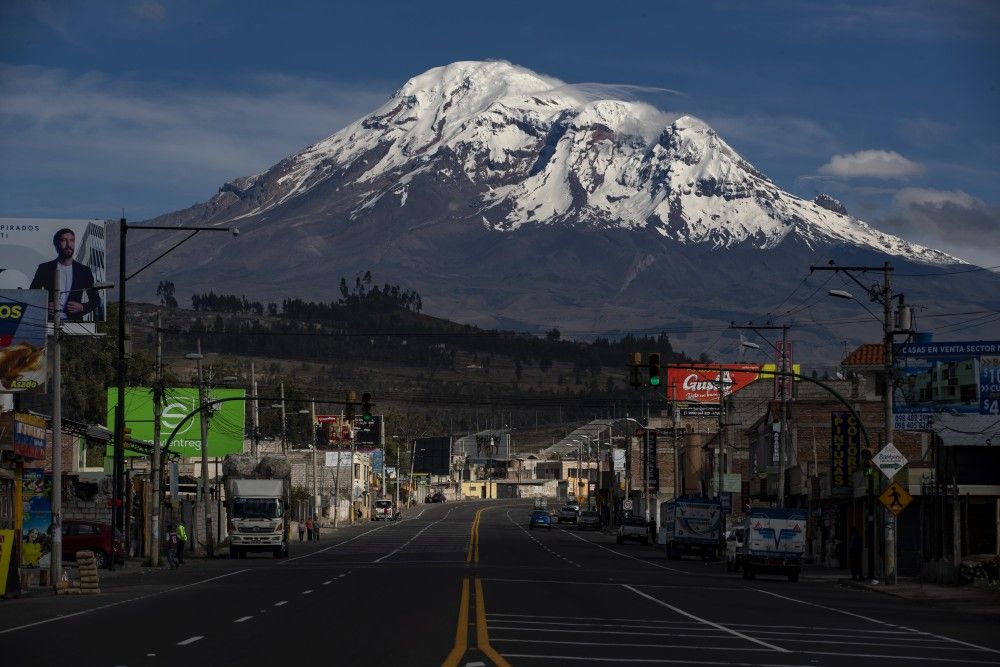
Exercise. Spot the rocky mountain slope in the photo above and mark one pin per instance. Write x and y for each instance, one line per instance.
(507, 198)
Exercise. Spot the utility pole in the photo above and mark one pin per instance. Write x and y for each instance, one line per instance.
(203, 414)
(156, 465)
(645, 490)
(678, 492)
(782, 383)
(284, 426)
(579, 468)
(354, 447)
(336, 488)
(317, 504)
(255, 417)
(881, 294)
(55, 559)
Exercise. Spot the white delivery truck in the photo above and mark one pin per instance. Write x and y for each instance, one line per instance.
(774, 541)
(258, 503)
(691, 527)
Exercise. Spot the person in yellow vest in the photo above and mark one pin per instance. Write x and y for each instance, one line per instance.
(182, 538)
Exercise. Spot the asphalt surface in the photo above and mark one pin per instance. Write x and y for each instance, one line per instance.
(466, 584)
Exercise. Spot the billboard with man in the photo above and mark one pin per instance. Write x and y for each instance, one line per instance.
(66, 258)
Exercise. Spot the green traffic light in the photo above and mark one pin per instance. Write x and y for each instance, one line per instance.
(655, 380)
(366, 418)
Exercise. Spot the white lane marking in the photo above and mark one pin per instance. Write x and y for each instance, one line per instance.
(917, 659)
(307, 591)
(190, 640)
(663, 661)
(874, 620)
(334, 546)
(418, 534)
(621, 553)
(714, 634)
(630, 645)
(606, 583)
(735, 633)
(327, 583)
(339, 576)
(242, 618)
(283, 602)
(120, 602)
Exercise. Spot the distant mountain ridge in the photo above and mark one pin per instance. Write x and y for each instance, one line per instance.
(504, 196)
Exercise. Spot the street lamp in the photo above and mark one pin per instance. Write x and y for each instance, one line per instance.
(123, 277)
(882, 295)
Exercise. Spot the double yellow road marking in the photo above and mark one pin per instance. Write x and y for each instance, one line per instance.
(473, 551)
(461, 646)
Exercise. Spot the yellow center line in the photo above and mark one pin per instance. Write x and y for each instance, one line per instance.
(482, 632)
(473, 550)
(461, 630)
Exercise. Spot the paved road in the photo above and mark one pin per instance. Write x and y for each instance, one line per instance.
(467, 583)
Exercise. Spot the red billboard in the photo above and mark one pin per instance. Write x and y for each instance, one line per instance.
(699, 383)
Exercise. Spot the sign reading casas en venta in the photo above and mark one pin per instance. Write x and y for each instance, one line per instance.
(225, 423)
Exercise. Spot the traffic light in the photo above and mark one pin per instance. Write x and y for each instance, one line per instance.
(352, 398)
(866, 463)
(654, 369)
(634, 375)
(366, 407)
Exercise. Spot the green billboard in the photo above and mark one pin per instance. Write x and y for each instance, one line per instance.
(225, 422)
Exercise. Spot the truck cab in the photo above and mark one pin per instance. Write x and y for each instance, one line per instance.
(258, 517)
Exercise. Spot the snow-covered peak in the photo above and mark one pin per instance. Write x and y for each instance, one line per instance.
(529, 149)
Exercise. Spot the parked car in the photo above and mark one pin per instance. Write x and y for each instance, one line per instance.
(734, 545)
(438, 498)
(427, 498)
(92, 536)
(633, 528)
(541, 519)
(589, 519)
(568, 514)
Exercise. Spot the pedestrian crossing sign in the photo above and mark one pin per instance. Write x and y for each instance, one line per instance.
(895, 498)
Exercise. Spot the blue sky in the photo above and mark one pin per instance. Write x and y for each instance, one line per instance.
(150, 105)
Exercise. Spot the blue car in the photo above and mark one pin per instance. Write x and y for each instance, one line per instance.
(540, 518)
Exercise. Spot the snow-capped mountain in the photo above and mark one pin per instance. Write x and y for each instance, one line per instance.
(507, 197)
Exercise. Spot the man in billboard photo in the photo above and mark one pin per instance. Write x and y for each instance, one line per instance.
(74, 279)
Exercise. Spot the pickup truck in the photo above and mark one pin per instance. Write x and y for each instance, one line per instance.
(774, 541)
(568, 514)
(633, 528)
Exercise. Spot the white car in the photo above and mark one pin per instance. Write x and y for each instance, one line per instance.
(633, 528)
(734, 547)
(385, 510)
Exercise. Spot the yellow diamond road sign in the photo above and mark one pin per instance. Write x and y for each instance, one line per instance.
(895, 498)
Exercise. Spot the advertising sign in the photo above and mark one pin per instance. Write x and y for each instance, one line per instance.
(950, 388)
(22, 339)
(390, 472)
(432, 455)
(700, 383)
(225, 422)
(34, 252)
(6, 552)
(36, 541)
(651, 472)
(732, 482)
(845, 449)
(378, 460)
(618, 456)
(29, 436)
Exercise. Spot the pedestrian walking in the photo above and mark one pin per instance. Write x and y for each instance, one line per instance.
(172, 542)
(854, 556)
(309, 528)
(182, 538)
(302, 530)
(316, 528)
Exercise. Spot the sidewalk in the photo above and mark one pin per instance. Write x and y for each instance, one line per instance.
(968, 598)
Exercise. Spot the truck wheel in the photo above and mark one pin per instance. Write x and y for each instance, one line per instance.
(748, 572)
(793, 576)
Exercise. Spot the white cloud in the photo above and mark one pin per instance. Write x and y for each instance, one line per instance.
(872, 164)
(911, 197)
